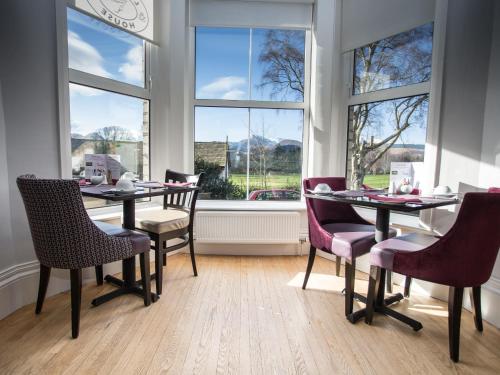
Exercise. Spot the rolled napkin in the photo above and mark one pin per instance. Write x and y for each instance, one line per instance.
(177, 184)
(394, 199)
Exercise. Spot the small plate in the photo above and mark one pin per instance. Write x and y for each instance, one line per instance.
(121, 192)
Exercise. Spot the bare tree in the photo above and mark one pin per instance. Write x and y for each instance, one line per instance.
(283, 59)
(107, 138)
(402, 59)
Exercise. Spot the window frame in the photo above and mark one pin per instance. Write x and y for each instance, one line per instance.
(304, 105)
(432, 87)
(67, 75)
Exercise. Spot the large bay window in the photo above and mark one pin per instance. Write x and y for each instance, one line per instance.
(108, 99)
(388, 107)
(249, 108)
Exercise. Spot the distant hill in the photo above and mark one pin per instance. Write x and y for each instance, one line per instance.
(256, 140)
(409, 145)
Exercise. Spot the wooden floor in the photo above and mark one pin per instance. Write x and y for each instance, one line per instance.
(241, 315)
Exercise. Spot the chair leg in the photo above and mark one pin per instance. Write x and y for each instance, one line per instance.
(350, 276)
(407, 286)
(310, 262)
(475, 299)
(158, 269)
(42, 287)
(164, 243)
(389, 281)
(191, 251)
(338, 262)
(99, 276)
(455, 299)
(146, 277)
(373, 287)
(76, 300)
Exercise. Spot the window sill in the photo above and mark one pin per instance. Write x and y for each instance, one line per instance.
(207, 205)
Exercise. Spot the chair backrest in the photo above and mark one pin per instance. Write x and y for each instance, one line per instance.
(185, 200)
(466, 254)
(327, 212)
(63, 234)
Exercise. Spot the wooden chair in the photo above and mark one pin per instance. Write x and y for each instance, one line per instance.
(175, 221)
(65, 237)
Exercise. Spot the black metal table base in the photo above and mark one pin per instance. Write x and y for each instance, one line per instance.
(122, 289)
(384, 309)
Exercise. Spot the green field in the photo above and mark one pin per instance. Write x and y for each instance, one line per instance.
(272, 182)
(377, 181)
(282, 181)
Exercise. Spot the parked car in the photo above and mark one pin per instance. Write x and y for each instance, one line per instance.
(274, 195)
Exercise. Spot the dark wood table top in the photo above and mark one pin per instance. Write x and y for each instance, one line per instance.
(99, 191)
(393, 206)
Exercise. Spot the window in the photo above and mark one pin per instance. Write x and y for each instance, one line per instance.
(388, 107)
(249, 112)
(108, 99)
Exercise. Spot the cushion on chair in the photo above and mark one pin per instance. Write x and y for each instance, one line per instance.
(382, 254)
(352, 240)
(140, 242)
(162, 221)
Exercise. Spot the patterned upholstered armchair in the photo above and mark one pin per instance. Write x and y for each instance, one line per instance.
(65, 237)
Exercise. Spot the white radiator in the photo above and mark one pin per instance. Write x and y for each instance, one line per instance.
(243, 227)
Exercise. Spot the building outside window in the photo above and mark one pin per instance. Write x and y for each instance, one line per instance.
(108, 97)
(249, 111)
(388, 106)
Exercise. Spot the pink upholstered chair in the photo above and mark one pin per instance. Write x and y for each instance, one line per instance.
(463, 257)
(336, 228)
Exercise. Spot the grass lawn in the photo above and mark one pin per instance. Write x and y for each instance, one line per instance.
(273, 181)
(377, 181)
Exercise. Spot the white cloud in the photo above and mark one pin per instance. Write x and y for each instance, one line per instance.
(234, 95)
(132, 70)
(83, 90)
(84, 57)
(230, 87)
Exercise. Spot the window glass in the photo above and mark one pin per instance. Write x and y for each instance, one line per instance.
(275, 153)
(220, 151)
(399, 60)
(97, 48)
(384, 132)
(278, 65)
(111, 124)
(222, 63)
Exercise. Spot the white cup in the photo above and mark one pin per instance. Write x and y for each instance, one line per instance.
(322, 188)
(96, 180)
(124, 185)
(442, 190)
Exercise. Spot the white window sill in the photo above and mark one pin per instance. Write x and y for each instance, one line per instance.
(209, 205)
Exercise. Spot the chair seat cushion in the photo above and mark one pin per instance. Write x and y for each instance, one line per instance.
(140, 242)
(162, 221)
(382, 254)
(352, 240)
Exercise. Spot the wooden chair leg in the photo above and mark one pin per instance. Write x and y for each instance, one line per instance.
(407, 286)
(373, 287)
(76, 300)
(158, 269)
(191, 251)
(338, 262)
(455, 300)
(475, 300)
(42, 287)
(310, 262)
(99, 275)
(164, 243)
(146, 277)
(350, 276)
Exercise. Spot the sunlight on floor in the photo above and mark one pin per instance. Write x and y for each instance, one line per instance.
(434, 310)
(324, 282)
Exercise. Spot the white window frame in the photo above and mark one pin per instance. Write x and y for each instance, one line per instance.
(433, 88)
(66, 75)
(304, 105)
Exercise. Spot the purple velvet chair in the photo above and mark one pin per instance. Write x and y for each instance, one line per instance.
(463, 257)
(337, 229)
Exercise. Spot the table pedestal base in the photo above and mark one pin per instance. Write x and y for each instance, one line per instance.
(122, 289)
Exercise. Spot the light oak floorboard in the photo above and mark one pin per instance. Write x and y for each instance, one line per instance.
(241, 315)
